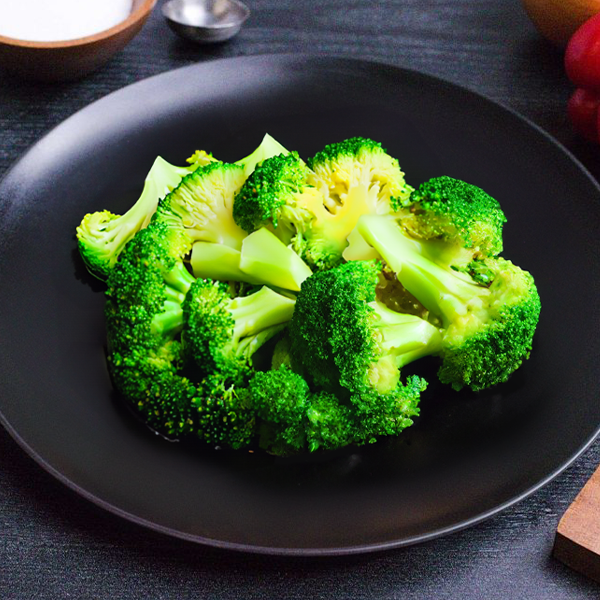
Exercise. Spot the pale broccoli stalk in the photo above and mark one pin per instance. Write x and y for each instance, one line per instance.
(263, 259)
(268, 147)
(102, 235)
(488, 327)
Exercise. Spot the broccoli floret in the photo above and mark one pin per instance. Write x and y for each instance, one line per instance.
(482, 349)
(223, 414)
(342, 333)
(488, 328)
(317, 209)
(203, 201)
(331, 424)
(102, 235)
(465, 219)
(355, 177)
(145, 291)
(276, 195)
(221, 333)
(280, 398)
(362, 165)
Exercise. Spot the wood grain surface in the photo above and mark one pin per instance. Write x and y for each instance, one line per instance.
(55, 545)
(577, 542)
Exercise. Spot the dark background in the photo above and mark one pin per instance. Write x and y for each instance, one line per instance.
(56, 545)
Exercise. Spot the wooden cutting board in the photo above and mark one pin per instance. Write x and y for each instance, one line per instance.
(577, 542)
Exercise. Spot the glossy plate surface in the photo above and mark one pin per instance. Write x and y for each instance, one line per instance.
(468, 456)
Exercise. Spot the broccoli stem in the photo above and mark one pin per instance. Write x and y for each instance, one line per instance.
(405, 337)
(441, 291)
(169, 322)
(178, 281)
(210, 260)
(266, 258)
(179, 278)
(259, 311)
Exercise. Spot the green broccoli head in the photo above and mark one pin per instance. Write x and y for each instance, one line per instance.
(144, 317)
(221, 333)
(458, 213)
(203, 201)
(273, 195)
(353, 177)
(102, 235)
(359, 169)
(484, 346)
(489, 321)
(223, 414)
(280, 399)
(344, 336)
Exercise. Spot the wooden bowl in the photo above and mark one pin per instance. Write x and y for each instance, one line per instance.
(71, 59)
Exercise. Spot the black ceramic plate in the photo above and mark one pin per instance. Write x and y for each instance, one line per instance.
(468, 456)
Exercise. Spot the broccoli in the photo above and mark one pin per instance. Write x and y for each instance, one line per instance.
(345, 336)
(221, 333)
(462, 218)
(102, 235)
(355, 177)
(488, 326)
(359, 170)
(263, 258)
(352, 346)
(143, 311)
(276, 195)
(252, 348)
(146, 296)
(280, 399)
(203, 201)
(316, 207)
(331, 424)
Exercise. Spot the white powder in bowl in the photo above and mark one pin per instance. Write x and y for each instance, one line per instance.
(59, 20)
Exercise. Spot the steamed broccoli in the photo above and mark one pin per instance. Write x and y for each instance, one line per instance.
(253, 348)
(276, 195)
(152, 301)
(462, 218)
(353, 346)
(359, 171)
(315, 207)
(203, 201)
(488, 327)
(355, 177)
(102, 235)
(146, 288)
(345, 336)
(222, 333)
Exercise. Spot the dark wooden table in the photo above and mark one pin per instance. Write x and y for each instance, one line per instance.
(55, 545)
